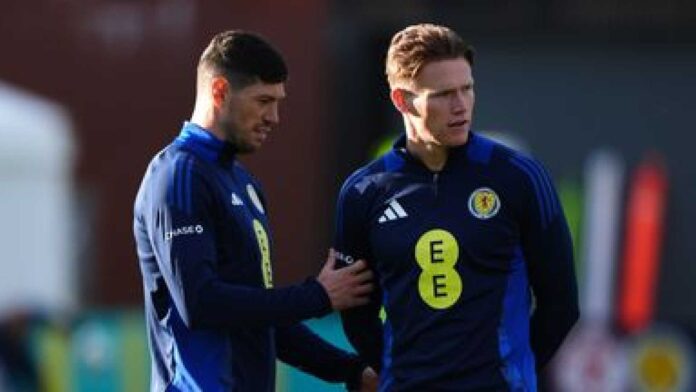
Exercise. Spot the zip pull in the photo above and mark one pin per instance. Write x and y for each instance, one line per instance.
(436, 176)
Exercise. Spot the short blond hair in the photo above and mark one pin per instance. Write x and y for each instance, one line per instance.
(417, 45)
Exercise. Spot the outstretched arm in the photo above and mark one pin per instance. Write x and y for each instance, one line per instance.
(180, 226)
(298, 346)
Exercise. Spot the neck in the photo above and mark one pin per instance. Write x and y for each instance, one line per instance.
(204, 116)
(433, 156)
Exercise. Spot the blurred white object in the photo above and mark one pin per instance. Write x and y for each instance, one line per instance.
(604, 177)
(37, 256)
(591, 360)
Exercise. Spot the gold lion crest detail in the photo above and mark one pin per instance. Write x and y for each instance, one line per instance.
(484, 203)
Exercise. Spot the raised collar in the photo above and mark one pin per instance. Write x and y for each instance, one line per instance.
(474, 147)
(204, 144)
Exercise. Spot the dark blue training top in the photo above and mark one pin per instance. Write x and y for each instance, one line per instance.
(204, 246)
(456, 253)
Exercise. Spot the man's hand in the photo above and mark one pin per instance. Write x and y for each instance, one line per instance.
(369, 381)
(347, 287)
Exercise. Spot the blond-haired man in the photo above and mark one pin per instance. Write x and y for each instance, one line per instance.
(460, 232)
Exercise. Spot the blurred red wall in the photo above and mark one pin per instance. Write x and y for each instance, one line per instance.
(125, 71)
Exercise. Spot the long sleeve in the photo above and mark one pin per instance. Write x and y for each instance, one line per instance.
(548, 250)
(182, 233)
(362, 325)
(298, 346)
(364, 330)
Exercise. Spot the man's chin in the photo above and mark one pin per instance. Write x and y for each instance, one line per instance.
(252, 147)
(247, 149)
(458, 139)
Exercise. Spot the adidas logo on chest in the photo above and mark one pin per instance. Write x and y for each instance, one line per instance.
(393, 212)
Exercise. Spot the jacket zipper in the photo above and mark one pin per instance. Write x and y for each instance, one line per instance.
(436, 177)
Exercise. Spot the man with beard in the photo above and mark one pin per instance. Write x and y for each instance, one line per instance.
(215, 322)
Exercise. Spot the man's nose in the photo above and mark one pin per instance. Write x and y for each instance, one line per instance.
(272, 115)
(458, 102)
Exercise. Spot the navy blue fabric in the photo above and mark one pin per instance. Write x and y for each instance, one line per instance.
(201, 233)
(486, 337)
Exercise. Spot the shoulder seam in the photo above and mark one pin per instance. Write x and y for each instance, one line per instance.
(548, 204)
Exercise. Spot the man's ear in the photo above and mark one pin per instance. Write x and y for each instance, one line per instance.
(220, 88)
(401, 100)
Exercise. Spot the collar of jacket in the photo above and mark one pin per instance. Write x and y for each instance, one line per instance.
(205, 145)
(400, 155)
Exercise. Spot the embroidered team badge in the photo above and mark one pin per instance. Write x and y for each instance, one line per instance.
(255, 198)
(484, 203)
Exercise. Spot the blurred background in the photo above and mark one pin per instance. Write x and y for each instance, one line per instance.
(600, 91)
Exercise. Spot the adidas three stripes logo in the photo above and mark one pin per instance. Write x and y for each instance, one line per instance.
(393, 211)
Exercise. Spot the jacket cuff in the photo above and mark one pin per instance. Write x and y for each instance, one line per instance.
(354, 381)
(322, 297)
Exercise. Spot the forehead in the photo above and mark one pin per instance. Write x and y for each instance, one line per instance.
(443, 74)
(275, 90)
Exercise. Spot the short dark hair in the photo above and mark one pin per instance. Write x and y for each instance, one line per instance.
(416, 45)
(243, 58)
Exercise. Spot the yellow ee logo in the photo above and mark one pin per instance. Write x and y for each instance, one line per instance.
(265, 250)
(439, 284)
